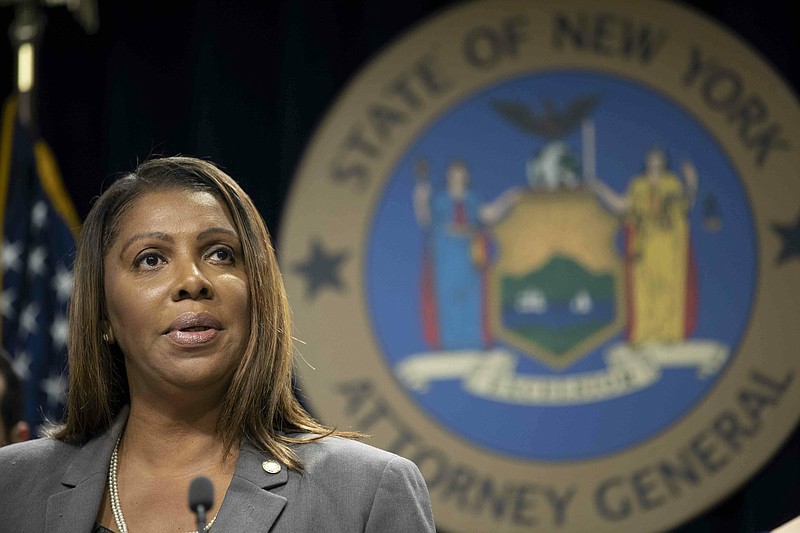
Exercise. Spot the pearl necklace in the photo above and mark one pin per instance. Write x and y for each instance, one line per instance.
(113, 491)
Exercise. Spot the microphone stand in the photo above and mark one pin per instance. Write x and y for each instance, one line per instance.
(201, 518)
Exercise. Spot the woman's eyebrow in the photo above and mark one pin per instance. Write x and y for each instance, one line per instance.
(149, 235)
(216, 231)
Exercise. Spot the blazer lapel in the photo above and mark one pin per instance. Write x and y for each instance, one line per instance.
(248, 504)
(75, 508)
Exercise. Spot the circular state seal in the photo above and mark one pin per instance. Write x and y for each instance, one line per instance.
(550, 251)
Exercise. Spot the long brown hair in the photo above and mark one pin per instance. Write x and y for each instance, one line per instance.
(259, 406)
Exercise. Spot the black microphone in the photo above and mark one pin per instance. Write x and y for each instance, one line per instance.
(201, 499)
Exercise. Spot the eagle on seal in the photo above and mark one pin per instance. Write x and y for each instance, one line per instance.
(554, 165)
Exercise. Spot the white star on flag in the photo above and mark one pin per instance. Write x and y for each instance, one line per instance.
(55, 388)
(36, 261)
(7, 297)
(58, 331)
(11, 253)
(38, 215)
(22, 365)
(27, 319)
(62, 283)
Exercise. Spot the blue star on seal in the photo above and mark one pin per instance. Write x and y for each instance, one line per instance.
(321, 269)
(791, 240)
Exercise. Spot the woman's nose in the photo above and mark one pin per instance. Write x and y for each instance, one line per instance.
(191, 282)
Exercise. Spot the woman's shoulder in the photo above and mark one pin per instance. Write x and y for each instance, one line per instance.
(338, 447)
(34, 450)
(33, 455)
(334, 453)
(30, 471)
(382, 491)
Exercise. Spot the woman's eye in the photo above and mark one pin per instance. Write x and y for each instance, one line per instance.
(223, 255)
(149, 260)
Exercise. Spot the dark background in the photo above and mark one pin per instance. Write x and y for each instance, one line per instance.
(244, 83)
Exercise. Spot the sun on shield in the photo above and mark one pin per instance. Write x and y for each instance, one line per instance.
(557, 284)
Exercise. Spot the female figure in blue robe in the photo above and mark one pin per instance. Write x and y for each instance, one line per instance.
(454, 281)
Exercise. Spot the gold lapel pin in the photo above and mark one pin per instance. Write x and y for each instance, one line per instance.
(271, 466)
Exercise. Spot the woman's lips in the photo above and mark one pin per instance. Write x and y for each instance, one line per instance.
(190, 328)
(192, 337)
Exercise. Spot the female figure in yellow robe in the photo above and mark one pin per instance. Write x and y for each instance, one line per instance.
(660, 272)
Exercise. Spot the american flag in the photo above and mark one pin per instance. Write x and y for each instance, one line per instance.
(38, 224)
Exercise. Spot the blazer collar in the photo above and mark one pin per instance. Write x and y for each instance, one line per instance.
(75, 508)
(248, 504)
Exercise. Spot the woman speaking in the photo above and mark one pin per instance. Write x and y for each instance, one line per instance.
(180, 363)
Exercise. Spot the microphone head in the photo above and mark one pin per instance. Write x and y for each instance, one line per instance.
(201, 492)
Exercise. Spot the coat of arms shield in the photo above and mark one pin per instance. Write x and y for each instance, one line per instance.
(557, 285)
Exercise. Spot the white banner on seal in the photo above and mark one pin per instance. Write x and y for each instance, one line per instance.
(492, 374)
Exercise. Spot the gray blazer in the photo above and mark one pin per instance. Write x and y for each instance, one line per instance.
(48, 486)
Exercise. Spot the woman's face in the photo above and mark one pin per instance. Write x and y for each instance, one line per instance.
(176, 292)
(457, 181)
(656, 161)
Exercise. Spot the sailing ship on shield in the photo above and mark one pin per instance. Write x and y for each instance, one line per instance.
(537, 273)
